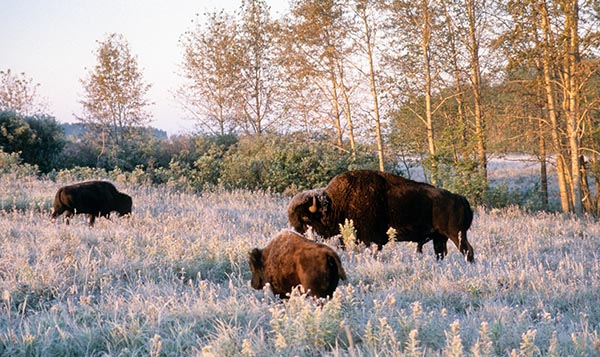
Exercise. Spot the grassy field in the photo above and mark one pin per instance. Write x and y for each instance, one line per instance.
(174, 280)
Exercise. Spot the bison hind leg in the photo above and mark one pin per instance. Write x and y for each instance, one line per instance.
(461, 242)
(440, 246)
(465, 248)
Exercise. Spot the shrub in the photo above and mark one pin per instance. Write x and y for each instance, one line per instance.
(272, 162)
(38, 139)
(464, 178)
(281, 163)
(11, 163)
(301, 326)
(48, 142)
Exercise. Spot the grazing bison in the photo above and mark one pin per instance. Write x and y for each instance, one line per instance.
(377, 201)
(94, 198)
(290, 260)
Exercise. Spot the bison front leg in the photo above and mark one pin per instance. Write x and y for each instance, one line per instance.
(68, 215)
(440, 248)
(420, 247)
(92, 219)
(421, 243)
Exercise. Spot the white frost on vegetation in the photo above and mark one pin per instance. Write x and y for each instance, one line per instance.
(173, 280)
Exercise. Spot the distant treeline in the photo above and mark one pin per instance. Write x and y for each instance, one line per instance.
(285, 163)
(275, 162)
(80, 130)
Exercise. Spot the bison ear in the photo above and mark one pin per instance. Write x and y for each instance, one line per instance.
(255, 258)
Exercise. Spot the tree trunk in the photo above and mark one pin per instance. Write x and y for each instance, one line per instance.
(220, 111)
(572, 104)
(543, 168)
(425, 48)
(257, 104)
(586, 199)
(458, 96)
(476, 87)
(593, 197)
(375, 96)
(335, 103)
(460, 102)
(348, 109)
(547, 44)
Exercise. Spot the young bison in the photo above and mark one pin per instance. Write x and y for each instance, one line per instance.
(290, 260)
(94, 198)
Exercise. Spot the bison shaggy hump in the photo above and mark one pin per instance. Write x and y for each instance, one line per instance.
(94, 198)
(377, 201)
(290, 260)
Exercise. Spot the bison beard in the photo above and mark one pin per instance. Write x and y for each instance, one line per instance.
(290, 260)
(376, 201)
(94, 198)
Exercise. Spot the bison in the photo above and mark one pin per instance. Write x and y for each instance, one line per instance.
(377, 201)
(290, 260)
(94, 198)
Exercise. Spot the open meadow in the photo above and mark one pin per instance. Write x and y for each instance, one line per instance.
(173, 280)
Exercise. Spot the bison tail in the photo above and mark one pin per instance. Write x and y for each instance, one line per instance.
(468, 213)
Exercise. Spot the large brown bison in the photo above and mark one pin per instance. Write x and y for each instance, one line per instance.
(377, 201)
(94, 198)
(290, 260)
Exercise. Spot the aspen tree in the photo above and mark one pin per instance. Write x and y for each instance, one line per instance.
(364, 10)
(317, 31)
(210, 69)
(257, 68)
(19, 94)
(114, 100)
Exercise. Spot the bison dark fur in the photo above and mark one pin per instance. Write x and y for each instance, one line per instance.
(376, 201)
(290, 260)
(94, 198)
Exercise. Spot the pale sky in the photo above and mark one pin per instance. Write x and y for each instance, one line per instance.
(54, 41)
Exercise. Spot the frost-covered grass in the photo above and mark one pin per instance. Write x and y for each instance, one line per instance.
(173, 280)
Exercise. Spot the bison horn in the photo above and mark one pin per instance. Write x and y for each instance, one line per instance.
(313, 207)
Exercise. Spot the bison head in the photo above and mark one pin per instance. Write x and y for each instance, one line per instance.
(124, 204)
(308, 208)
(257, 268)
